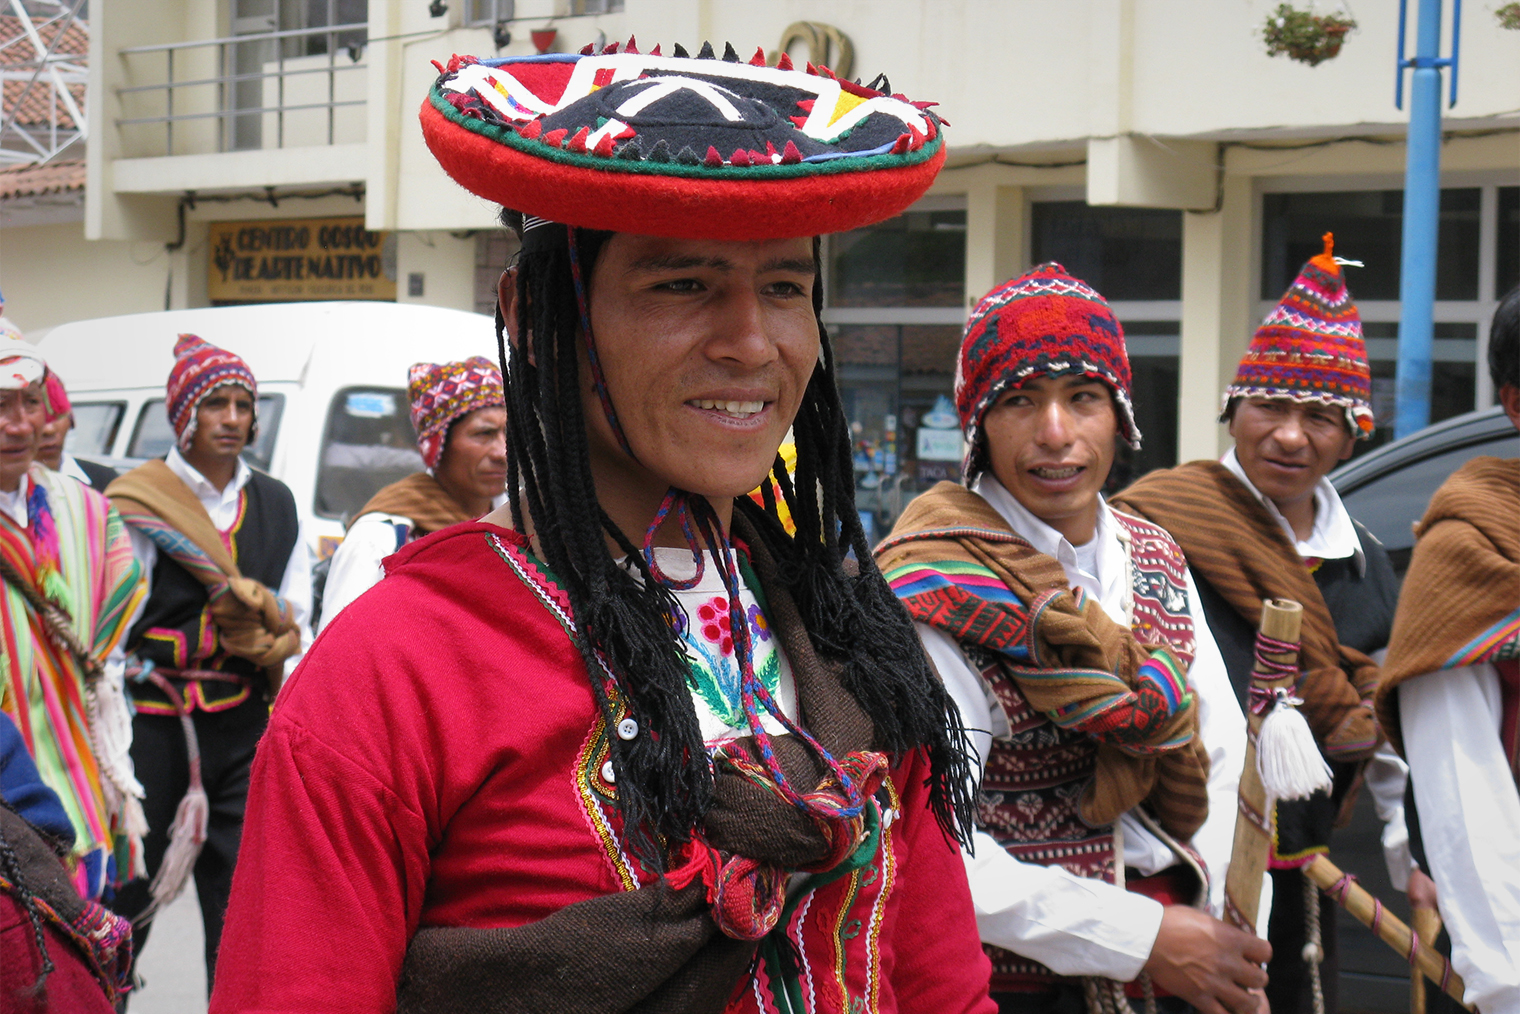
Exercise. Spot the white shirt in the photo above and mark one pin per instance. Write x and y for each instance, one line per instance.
(1470, 823)
(69, 466)
(356, 565)
(14, 504)
(222, 506)
(1075, 925)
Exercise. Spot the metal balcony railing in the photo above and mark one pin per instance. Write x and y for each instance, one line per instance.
(256, 88)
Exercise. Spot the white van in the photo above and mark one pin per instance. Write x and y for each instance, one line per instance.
(333, 409)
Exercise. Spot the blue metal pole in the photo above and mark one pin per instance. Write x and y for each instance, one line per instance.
(1422, 216)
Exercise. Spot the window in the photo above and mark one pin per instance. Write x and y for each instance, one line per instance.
(1453, 374)
(368, 444)
(896, 295)
(478, 13)
(95, 426)
(1133, 258)
(1507, 263)
(1368, 227)
(594, 7)
(1124, 253)
(154, 436)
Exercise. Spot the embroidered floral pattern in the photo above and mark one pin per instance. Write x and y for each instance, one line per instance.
(710, 649)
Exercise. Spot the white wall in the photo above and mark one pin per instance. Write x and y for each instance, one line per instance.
(51, 274)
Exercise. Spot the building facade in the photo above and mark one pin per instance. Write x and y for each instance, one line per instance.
(270, 149)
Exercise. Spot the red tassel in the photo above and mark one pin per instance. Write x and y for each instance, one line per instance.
(603, 147)
(758, 60)
(713, 160)
(610, 49)
(770, 150)
(740, 157)
(790, 155)
(555, 138)
(785, 63)
(807, 104)
(656, 50)
(439, 66)
(532, 129)
(901, 147)
(800, 121)
(588, 51)
(758, 158)
(578, 142)
(631, 48)
(811, 69)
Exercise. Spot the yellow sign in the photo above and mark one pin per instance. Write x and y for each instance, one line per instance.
(311, 258)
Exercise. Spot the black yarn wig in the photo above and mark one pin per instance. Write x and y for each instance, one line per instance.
(664, 781)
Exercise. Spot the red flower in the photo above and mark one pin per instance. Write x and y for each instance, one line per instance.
(713, 615)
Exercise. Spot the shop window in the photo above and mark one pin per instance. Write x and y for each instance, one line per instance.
(1507, 263)
(1453, 374)
(1368, 227)
(915, 259)
(1124, 253)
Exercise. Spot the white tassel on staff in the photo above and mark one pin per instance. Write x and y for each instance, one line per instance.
(1287, 757)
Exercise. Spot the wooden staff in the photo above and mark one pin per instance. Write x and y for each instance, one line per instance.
(1385, 925)
(1427, 923)
(1280, 621)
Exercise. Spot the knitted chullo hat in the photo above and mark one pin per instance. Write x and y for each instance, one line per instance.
(1310, 347)
(442, 392)
(694, 148)
(1045, 323)
(58, 403)
(199, 369)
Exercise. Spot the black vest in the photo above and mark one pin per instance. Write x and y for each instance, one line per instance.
(1361, 606)
(262, 541)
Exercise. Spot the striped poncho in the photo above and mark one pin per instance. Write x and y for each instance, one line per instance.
(76, 553)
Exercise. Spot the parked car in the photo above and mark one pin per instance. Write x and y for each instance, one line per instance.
(1388, 490)
(333, 420)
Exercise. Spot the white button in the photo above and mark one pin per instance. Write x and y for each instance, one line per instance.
(627, 729)
(608, 775)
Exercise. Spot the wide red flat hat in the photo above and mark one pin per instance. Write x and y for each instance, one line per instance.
(694, 148)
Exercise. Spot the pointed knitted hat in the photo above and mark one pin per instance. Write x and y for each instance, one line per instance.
(199, 369)
(1044, 323)
(1310, 347)
(690, 147)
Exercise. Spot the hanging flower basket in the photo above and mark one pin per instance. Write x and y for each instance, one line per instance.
(1305, 36)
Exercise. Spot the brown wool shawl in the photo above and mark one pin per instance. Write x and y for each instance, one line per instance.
(1173, 782)
(1463, 582)
(420, 498)
(1229, 537)
(653, 949)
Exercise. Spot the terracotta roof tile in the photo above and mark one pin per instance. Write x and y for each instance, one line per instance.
(33, 181)
(20, 52)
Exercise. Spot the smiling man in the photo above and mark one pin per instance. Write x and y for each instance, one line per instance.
(229, 593)
(1264, 522)
(628, 744)
(460, 415)
(1073, 642)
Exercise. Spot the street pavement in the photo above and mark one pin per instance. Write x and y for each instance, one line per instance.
(173, 965)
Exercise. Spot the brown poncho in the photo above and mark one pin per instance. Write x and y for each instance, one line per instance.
(1243, 553)
(1461, 599)
(420, 498)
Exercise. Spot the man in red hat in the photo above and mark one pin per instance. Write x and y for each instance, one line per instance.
(460, 415)
(229, 593)
(1264, 522)
(56, 421)
(629, 744)
(1026, 586)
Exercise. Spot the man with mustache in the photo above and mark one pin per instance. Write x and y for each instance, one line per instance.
(1071, 638)
(460, 415)
(629, 743)
(229, 593)
(1264, 522)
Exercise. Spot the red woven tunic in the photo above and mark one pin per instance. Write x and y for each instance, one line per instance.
(434, 762)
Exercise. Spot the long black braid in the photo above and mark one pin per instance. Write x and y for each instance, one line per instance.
(10, 869)
(664, 780)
